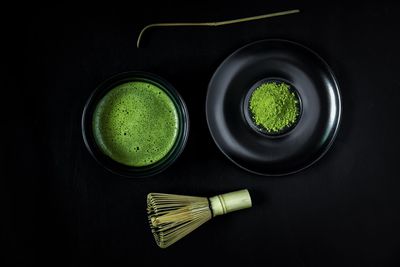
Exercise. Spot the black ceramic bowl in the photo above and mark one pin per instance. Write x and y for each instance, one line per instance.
(294, 148)
(121, 169)
(249, 116)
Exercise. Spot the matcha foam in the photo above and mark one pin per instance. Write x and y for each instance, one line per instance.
(135, 124)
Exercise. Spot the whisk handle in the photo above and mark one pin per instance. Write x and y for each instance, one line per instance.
(225, 203)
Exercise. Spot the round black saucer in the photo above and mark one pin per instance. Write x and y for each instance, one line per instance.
(282, 154)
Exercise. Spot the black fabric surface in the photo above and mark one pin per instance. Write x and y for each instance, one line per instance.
(61, 208)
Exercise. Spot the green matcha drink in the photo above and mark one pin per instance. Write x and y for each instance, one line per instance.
(135, 124)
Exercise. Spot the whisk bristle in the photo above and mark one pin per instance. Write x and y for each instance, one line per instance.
(172, 217)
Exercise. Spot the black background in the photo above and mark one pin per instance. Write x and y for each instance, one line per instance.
(62, 208)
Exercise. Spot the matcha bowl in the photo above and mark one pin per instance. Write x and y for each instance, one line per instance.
(285, 99)
(135, 124)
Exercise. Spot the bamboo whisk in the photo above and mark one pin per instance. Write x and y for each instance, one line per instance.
(172, 217)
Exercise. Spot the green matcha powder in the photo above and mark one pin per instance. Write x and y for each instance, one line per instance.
(274, 107)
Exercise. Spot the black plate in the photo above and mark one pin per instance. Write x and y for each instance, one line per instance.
(316, 86)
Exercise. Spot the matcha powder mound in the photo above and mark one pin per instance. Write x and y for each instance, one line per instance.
(274, 107)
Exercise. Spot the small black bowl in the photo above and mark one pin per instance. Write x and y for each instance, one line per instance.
(112, 165)
(249, 116)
